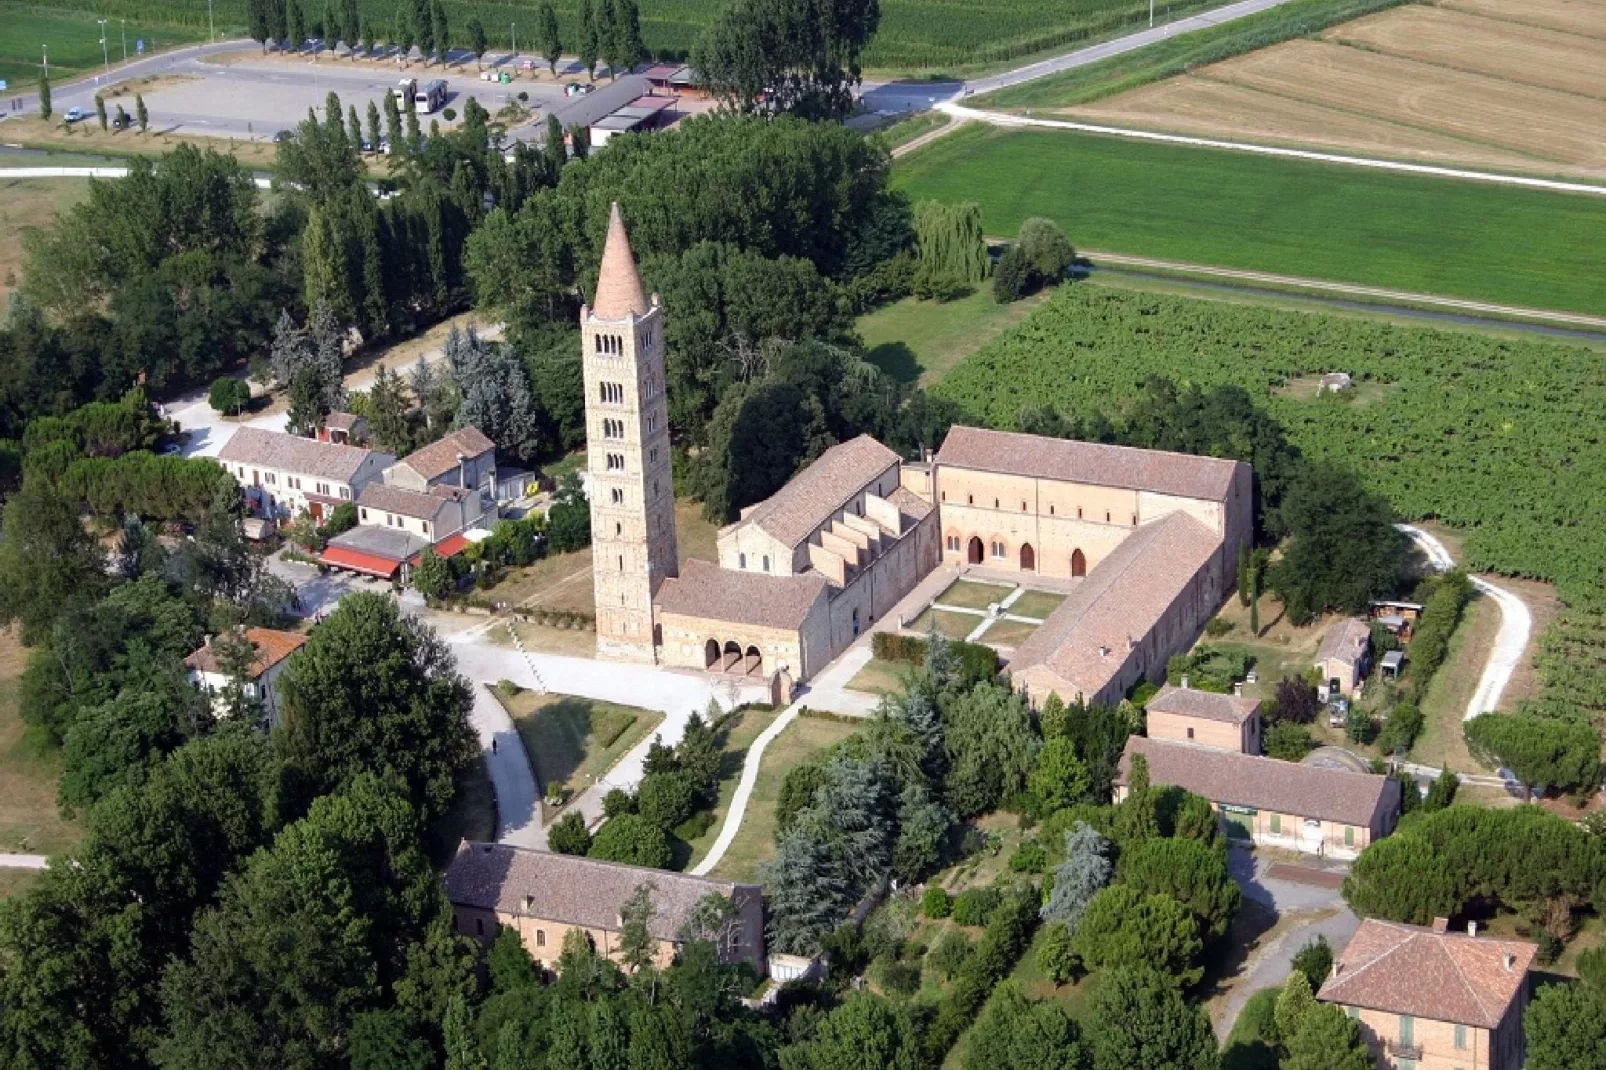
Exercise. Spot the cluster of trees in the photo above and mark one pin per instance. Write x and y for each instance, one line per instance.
(1040, 257)
(1565, 1024)
(678, 784)
(776, 56)
(1438, 864)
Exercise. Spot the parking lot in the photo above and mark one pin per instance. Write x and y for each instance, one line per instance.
(256, 97)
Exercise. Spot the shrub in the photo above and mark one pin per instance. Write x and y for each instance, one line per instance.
(229, 394)
(1012, 278)
(895, 975)
(1029, 857)
(569, 836)
(1401, 729)
(936, 903)
(950, 954)
(973, 662)
(975, 905)
(666, 799)
(450, 114)
(633, 840)
(695, 825)
(1218, 627)
(618, 802)
(1288, 741)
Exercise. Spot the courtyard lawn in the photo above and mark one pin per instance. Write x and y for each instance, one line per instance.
(914, 340)
(574, 741)
(1010, 633)
(1444, 706)
(952, 625)
(879, 677)
(803, 740)
(972, 594)
(739, 737)
(1037, 604)
(30, 823)
(1206, 206)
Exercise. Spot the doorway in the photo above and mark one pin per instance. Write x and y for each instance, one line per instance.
(974, 550)
(1028, 558)
(1078, 564)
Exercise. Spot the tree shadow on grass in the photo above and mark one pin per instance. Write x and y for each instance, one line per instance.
(897, 360)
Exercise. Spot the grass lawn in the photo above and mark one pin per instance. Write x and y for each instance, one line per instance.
(879, 677)
(953, 625)
(969, 594)
(572, 740)
(914, 340)
(73, 41)
(1445, 703)
(803, 739)
(1008, 633)
(29, 769)
(1231, 209)
(26, 203)
(903, 131)
(1037, 604)
(16, 881)
(738, 738)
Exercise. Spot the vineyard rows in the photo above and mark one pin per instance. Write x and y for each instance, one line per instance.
(914, 34)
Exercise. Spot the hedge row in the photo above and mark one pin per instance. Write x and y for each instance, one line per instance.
(973, 662)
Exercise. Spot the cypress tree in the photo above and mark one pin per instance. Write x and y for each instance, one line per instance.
(44, 97)
(551, 41)
(1243, 574)
(590, 45)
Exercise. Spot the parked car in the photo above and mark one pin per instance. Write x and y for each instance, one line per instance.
(75, 114)
(284, 135)
(577, 89)
(1338, 712)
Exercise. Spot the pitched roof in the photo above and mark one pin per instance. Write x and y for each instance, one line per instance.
(292, 453)
(1191, 702)
(1181, 474)
(1445, 977)
(440, 456)
(820, 491)
(341, 421)
(759, 598)
(1225, 776)
(619, 290)
(1119, 602)
(571, 889)
(910, 504)
(272, 647)
(393, 499)
(1345, 640)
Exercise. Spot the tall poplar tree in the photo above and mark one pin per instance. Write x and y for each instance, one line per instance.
(551, 40)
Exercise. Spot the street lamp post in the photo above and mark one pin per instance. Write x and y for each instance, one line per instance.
(514, 32)
(46, 49)
(105, 55)
(125, 39)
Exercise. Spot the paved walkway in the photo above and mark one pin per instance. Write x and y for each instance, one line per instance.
(11, 861)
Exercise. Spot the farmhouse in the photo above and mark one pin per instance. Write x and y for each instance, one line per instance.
(1146, 540)
(1434, 999)
(464, 458)
(1344, 656)
(285, 474)
(1187, 715)
(1273, 803)
(273, 650)
(542, 897)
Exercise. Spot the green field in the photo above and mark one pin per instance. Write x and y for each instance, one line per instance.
(1302, 18)
(1428, 235)
(73, 38)
(914, 35)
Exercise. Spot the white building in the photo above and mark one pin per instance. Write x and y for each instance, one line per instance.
(273, 650)
(442, 511)
(464, 458)
(285, 474)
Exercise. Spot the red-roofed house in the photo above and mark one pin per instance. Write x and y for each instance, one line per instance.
(1431, 999)
(273, 653)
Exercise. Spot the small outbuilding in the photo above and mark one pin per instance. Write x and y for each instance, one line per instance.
(1344, 656)
(1187, 715)
(1392, 663)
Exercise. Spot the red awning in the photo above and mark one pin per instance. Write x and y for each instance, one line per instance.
(450, 546)
(357, 561)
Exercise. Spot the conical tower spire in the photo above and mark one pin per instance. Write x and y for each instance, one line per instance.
(619, 291)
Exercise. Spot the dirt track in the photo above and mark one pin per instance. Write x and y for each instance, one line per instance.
(1491, 89)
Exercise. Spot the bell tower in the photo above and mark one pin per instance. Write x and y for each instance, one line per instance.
(627, 438)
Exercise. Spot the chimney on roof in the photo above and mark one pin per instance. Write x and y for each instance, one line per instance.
(1511, 961)
(1472, 928)
(462, 470)
(1238, 688)
(207, 642)
(1184, 681)
(1104, 651)
(1441, 925)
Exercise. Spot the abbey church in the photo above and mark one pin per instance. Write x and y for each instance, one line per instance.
(1147, 541)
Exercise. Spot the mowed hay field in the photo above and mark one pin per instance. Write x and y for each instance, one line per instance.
(1507, 85)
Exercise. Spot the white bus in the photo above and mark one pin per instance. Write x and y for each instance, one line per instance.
(404, 91)
(431, 95)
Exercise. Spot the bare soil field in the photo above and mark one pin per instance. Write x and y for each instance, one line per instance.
(1476, 83)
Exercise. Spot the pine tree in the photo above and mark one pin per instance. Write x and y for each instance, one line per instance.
(810, 892)
(462, 1050)
(351, 25)
(495, 388)
(373, 122)
(1295, 1001)
(637, 946)
(1254, 601)
(610, 1036)
(1086, 869)
(551, 41)
(331, 25)
(1135, 817)
(554, 149)
(354, 126)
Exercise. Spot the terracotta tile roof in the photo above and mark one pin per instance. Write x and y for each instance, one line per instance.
(440, 456)
(292, 453)
(1191, 702)
(341, 421)
(1345, 641)
(1119, 602)
(1445, 977)
(821, 490)
(1225, 776)
(359, 561)
(910, 504)
(758, 598)
(393, 499)
(619, 291)
(394, 545)
(272, 647)
(1035, 456)
(571, 889)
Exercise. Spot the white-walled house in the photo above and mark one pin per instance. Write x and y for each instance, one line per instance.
(441, 511)
(273, 650)
(285, 474)
(464, 458)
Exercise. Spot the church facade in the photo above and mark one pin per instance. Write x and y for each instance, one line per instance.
(1149, 539)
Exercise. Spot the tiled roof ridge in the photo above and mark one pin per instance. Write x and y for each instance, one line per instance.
(1168, 472)
(763, 512)
(1112, 446)
(1437, 942)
